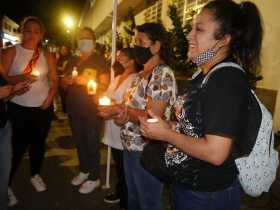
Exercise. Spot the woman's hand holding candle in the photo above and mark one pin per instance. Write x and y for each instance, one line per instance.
(109, 111)
(154, 128)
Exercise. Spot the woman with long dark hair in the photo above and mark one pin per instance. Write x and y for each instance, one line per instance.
(211, 118)
(128, 70)
(154, 88)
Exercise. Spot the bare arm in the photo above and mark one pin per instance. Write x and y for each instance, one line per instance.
(53, 80)
(211, 148)
(133, 115)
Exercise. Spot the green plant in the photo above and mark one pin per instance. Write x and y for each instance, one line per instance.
(179, 44)
(128, 28)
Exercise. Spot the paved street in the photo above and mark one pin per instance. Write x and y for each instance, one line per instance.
(61, 165)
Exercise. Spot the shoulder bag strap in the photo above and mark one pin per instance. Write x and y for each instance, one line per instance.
(221, 65)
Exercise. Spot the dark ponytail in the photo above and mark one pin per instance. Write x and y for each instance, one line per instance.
(243, 22)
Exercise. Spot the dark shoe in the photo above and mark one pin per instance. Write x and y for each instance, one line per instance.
(112, 198)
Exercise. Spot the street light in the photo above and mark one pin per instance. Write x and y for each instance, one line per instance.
(68, 22)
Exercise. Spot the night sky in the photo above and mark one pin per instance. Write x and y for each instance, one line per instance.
(50, 12)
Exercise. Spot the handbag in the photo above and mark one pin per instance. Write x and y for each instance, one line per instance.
(156, 155)
(152, 160)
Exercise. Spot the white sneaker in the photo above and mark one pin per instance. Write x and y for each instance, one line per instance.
(88, 186)
(38, 183)
(77, 180)
(12, 199)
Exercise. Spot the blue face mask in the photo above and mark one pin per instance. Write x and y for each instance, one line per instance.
(85, 45)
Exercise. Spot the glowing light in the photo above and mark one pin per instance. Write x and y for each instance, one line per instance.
(74, 73)
(104, 101)
(152, 120)
(35, 73)
(91, 87)
(68, 22)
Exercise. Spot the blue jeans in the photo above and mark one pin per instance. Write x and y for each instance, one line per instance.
(228, 199)
(144, 190)
(5, 164)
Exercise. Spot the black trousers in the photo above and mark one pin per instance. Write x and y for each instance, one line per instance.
(86, 134)
(30, 127)
(121, 188)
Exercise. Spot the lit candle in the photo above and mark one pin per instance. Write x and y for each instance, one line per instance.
(91, 87)
(152, 120)
(74, 73)
(104, 101)
(35, 73)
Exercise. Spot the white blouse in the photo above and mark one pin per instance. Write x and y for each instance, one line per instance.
(39, 90)
(112, 131)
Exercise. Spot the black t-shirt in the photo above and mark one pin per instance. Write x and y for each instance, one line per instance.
(218, 108)
(77, 100)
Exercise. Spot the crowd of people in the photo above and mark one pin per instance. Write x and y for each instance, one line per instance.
(198, 130)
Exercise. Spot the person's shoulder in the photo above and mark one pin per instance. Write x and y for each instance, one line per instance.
(9, 51)
(228, 73)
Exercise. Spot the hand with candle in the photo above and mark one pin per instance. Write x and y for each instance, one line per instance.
(154, 128)
(109, 111)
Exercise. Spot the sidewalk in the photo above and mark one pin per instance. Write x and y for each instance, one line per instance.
(61, 165)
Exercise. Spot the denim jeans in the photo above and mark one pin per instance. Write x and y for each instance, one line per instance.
(5, 164)
(228, 199)
(144, 190)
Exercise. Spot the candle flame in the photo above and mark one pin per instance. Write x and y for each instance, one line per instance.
(35, 73)
(105, 101)
(74, 73)
(91, 87)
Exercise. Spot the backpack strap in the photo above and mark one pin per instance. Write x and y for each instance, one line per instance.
(221, 65)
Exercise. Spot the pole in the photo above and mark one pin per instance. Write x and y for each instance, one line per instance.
(114, 36)
(113, 58)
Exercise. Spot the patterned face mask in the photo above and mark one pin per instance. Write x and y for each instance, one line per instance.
(204, 57)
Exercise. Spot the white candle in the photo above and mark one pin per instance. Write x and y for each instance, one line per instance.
(35, 73)
(91, 87)
(104, 101)
(74, 73)
(152, 120)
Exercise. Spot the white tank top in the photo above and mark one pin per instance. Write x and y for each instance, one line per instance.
(39, 90)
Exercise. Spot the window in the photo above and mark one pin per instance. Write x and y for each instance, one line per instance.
(153, 13)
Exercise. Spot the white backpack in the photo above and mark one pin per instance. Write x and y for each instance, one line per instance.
(257, 171)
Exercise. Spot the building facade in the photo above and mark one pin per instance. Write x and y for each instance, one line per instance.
(98, 15)
(9, 31)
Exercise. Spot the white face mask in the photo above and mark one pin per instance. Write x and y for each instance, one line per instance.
(85, 45)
